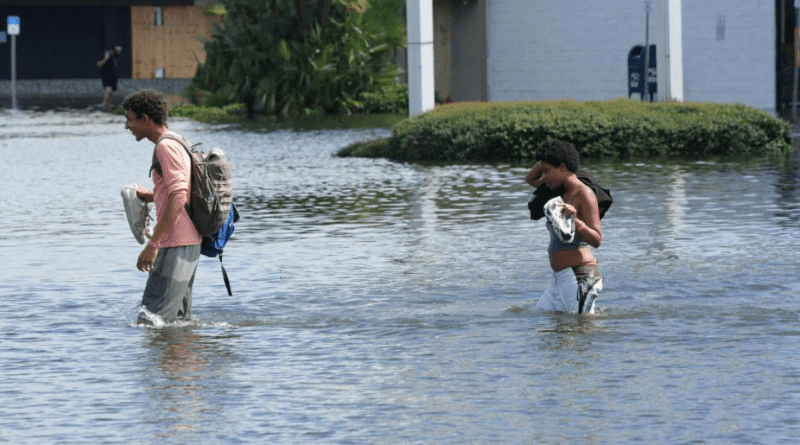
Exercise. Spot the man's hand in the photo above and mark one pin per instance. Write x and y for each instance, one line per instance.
(147, 258)
(144, 194)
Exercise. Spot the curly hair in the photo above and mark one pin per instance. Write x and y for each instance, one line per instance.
(556, 152)
(149, 102)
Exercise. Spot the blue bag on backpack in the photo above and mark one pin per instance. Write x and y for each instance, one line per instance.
(213, 244)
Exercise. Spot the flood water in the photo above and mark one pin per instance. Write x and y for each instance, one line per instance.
(379, 302)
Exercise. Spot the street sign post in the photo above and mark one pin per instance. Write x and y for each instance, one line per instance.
(12, 27)
(646, 79)
(796, 62)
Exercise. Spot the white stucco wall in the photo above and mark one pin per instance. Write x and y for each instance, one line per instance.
(553, 49)
(741, 67)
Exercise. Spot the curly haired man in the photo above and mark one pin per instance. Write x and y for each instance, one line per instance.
(173, 251)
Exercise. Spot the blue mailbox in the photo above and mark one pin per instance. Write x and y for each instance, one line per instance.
(636, 75)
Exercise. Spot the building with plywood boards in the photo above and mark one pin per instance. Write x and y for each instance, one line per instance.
(166, 40)
(61, 41)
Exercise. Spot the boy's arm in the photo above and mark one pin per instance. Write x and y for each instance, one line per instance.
(534, 174)
(587, 220)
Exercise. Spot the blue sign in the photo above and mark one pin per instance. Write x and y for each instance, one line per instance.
(636, 75)
(13, 25)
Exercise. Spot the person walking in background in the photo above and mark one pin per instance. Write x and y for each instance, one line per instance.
(108, 75)
(574, 226)
(173, 251)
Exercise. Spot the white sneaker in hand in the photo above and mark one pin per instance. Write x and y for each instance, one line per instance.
(138, 213)
(563, 226)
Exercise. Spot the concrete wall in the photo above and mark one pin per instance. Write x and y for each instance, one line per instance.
(460, 49)
(553, 49)
(83, 93)
(740, 66)
(442, 48)
(468, 50)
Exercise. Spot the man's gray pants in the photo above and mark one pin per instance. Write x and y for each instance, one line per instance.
(168, 293)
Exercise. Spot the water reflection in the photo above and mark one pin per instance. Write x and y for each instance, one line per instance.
(186, 360)
(569, 332)
(787, 184)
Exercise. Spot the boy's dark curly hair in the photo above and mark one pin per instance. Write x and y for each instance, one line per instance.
(149, 102)
(556, 152)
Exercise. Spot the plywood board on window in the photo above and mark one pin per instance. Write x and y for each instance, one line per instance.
(175, 46)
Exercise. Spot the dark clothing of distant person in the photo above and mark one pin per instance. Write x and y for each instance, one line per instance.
(108, 75)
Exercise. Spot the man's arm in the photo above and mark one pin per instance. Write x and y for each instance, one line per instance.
(103, 60)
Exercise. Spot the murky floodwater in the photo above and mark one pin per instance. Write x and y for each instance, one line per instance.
(377, 302)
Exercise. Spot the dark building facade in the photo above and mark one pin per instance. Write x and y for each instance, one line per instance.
(65, 39)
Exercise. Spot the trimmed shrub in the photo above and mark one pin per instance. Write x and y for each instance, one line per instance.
(512, 131)
(206, 113)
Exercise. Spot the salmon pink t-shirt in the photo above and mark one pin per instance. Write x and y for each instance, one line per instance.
(175, 181)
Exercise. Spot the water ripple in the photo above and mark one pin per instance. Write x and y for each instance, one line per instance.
(382, 302)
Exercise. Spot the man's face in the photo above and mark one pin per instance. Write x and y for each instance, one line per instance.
(136, 125)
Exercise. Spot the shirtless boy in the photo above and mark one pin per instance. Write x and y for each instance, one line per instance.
(576, 277)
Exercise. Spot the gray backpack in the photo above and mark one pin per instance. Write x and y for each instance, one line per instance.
(211, 193)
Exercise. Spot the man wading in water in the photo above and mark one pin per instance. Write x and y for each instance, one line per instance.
(172, 253)
(576, 277)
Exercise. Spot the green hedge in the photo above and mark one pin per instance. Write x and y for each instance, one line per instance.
(512, 131)
(205, 113)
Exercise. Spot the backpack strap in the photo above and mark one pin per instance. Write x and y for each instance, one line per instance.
(155, 165)
(225, 276)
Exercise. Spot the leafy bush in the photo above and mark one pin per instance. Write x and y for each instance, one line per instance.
(512, 131)
(302, 57)
(387, 95)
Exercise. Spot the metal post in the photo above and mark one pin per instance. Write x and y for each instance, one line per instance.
(796, 61)
(646, 48)
(13, 72)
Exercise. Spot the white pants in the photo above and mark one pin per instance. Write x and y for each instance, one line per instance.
(563, 293)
